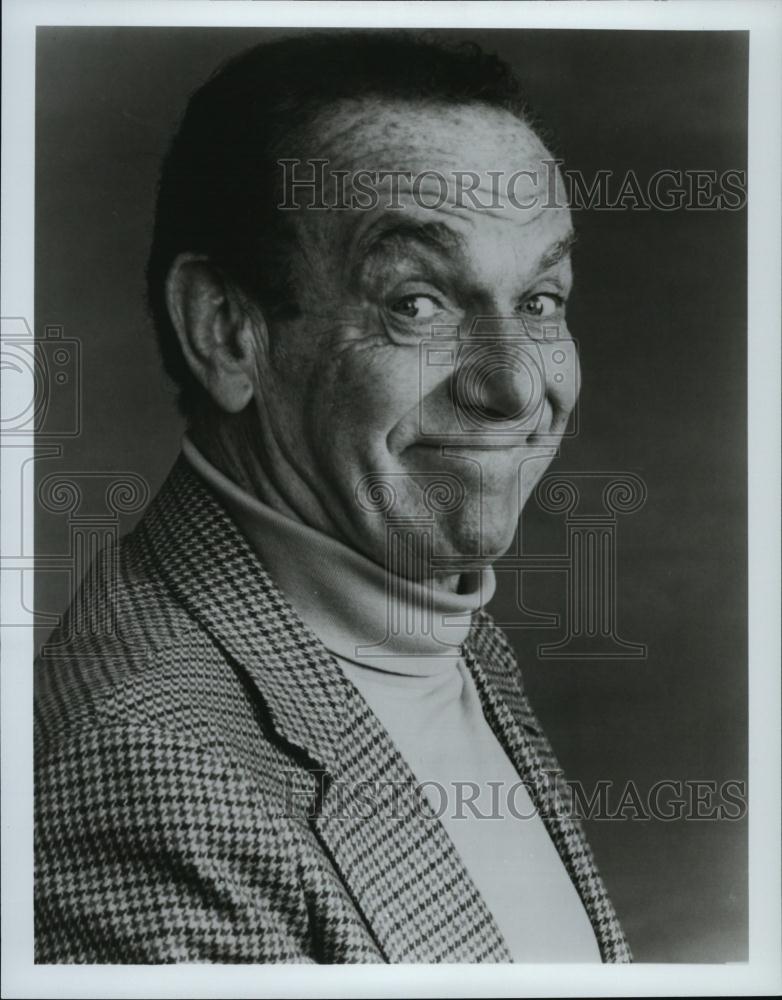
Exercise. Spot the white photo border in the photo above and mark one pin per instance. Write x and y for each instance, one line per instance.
(761, 974)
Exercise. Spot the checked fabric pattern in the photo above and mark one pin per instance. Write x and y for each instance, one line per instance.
(193, 741)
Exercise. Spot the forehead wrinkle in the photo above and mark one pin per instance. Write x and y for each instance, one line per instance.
(501, 214)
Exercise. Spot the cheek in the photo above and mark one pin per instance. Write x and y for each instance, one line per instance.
(530, 475)
(366, 390)
(560, 361)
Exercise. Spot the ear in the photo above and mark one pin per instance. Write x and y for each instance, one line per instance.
(218, 339)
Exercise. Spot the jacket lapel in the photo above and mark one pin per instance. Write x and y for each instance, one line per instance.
(497, 679)
(395, 858)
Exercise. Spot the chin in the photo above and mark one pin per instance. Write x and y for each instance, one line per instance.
(471, 539)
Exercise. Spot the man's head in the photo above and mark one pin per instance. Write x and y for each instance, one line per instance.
(401, 354)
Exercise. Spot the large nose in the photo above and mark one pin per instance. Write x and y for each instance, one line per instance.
(510, 380)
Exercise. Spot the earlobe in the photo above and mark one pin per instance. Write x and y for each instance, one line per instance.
(217, 337)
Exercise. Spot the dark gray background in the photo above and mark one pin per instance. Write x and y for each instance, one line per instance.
(660, 313)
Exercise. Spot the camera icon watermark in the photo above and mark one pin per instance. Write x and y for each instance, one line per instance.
(42, 381)
(500, 378)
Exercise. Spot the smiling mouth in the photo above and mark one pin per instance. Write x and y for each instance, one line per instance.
(473, 444)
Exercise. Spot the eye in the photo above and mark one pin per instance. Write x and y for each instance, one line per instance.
(417, 306)
(541, 305)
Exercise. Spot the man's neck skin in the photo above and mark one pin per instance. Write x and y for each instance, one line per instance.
(229, 444)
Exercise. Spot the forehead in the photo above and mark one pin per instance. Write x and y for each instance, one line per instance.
(377, 134)
(516, 199)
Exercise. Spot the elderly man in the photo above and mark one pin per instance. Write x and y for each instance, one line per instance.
(306, 741)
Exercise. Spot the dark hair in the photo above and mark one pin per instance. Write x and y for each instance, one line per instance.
(217, 191)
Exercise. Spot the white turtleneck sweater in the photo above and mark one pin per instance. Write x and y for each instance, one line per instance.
(415, 681)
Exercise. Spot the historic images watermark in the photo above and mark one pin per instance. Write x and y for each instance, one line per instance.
(550, 797)
(313, 185)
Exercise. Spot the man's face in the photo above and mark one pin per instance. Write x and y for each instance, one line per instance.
(429, 373)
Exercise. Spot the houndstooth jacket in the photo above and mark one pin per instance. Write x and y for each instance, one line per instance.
(191, 738)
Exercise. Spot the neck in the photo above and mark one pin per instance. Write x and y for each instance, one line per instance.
(230, 443)
(359, 609)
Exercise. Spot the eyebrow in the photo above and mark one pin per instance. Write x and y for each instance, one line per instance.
(436, 236)
(440, 237)
(557, 251)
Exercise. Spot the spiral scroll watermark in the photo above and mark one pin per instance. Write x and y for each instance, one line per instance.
(591, 503)
(92, 504)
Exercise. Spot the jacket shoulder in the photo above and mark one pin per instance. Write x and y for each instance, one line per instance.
(127, 653)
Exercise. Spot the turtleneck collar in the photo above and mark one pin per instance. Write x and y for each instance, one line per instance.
(359, 610)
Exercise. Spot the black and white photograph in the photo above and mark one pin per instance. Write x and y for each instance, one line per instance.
(390, 443)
